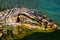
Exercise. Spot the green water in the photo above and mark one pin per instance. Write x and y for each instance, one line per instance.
(44, 36)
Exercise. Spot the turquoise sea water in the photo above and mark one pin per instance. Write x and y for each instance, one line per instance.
(50, 7)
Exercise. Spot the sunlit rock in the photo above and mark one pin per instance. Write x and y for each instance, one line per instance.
(25, 16)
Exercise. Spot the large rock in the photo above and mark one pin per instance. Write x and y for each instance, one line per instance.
(27, 16)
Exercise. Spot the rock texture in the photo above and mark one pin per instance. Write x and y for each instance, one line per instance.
(28, 17)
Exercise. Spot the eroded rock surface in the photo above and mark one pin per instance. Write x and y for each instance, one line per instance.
(27, 17)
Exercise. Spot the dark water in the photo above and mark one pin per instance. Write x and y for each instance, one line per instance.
(50, 7)
(44, 36)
